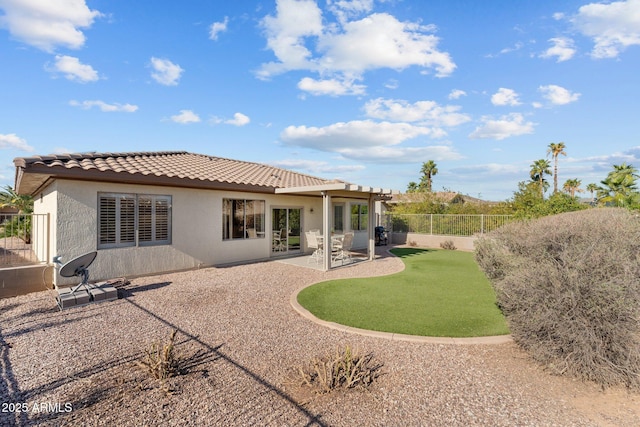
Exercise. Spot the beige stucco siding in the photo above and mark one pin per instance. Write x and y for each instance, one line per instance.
(196, 229)
(45, 203)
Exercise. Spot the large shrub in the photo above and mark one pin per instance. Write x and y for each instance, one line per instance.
(569, 286)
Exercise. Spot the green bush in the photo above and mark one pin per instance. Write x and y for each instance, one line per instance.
(569, 286)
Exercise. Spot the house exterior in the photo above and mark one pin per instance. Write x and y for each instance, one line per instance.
(153, 212)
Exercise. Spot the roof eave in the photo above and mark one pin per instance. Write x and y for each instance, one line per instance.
(32, 180)
(340, 188)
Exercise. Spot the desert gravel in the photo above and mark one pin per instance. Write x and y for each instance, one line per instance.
(241, 337)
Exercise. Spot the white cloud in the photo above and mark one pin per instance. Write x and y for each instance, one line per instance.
(343, 51)
(103, 106)
(294, 20)
(13, 141)
(73, 69)
(369, 141)
(342, 136)
(514, 48)
(558, 95)
(563, 49)
(506, 50)
(333, 87)
(505, 96)
(62, 150)
(631, 156)
(457, 94)
(488, 169)
(218, 27)
(344, 9)
(165, 72)
(239, 119)
(186, 117)
(392, 84)
(381, 41)
(316, 166)
(397, 154)
(47, 24)
(423, 112)
(507, 126)
(612, 26)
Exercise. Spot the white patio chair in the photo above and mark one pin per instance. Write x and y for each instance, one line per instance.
(279, 238)
(341, 249)
(314, 242)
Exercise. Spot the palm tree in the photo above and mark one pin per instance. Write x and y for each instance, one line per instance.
(555, 150)
(18, 225)
(429, 169)
(572, 186)
(592, 188)
(619, 187)
(539, 169)
(412, 187)
(10, 199)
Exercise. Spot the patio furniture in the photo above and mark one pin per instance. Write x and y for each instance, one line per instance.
(314, 241)
(279, 239)
(341, 247)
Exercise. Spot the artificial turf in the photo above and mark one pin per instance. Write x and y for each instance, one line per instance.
(440, 293)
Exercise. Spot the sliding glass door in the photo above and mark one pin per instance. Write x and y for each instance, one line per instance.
(286, 226)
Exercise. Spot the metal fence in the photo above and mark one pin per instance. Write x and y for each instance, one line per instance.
(24, 239)
(447, 225)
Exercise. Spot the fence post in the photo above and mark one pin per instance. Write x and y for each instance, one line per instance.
(481, 224)
(431, 224)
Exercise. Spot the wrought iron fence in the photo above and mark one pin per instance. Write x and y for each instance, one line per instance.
(447, 225)
(24, 239)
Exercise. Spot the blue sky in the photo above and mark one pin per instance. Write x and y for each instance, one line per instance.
(359, 90)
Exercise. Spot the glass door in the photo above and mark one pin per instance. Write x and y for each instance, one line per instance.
(286, 226)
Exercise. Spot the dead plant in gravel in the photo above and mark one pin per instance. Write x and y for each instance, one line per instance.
(343, 369)
(162, 361)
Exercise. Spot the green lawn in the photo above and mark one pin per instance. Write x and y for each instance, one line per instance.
(440, 293)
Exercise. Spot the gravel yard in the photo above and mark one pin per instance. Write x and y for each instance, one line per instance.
(241, 336)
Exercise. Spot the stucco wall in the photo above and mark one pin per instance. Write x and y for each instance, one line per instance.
(45, 203)
(196, 229)
(16, 281)
(432, 240)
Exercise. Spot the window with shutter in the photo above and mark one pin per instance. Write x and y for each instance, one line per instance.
(107, 220)
(122, 216)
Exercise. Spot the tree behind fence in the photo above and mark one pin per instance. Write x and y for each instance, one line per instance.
(447, 225)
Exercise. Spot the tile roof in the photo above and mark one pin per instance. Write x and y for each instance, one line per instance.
(166, 167)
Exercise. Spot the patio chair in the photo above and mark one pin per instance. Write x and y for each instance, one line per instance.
(341, 249)
(314, 242)
(279, 238)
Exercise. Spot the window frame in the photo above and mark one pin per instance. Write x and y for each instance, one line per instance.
(338, 218)
(159, 234)
(253, 212)
(359, 219)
